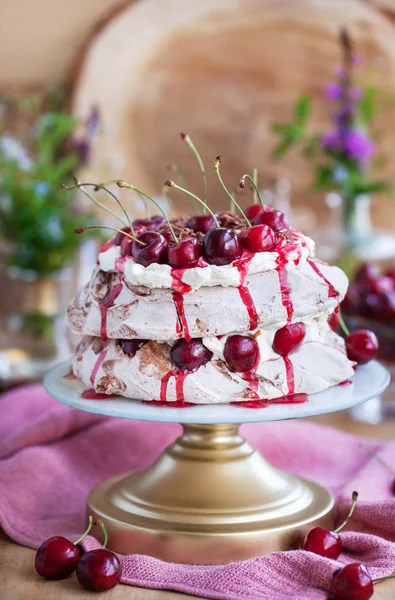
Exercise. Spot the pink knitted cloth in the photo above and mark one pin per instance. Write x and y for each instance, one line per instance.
(51, 455)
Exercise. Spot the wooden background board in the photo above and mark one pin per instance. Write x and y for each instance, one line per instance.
(224, 71)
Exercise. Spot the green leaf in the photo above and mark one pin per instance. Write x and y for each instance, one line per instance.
(324, 177)
(302, 110)
(368, 104)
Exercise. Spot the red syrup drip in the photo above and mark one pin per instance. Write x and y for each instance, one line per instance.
(346, 382)
(120, 263)
(262, 403)
(289, 307)
(109, 244)
(175, 404)
(242, 266)
(179, 377)
(182, 329)
(107, 303)
(97, 366)
(289, 370)
(92, 395)
(332, 292)
(252, 379)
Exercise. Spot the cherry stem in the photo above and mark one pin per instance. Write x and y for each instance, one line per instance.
(350, 514)
(216, 167)
(80, 230)
(177, 187)
(100, 523)
(254, 187)
(185, 137)
(87, 530)
(255, 179)
(373, 454)
(129, 186)
(101, 186)
(383, 578)
(342, 323)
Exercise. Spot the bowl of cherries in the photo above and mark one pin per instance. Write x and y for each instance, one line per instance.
(370, 304)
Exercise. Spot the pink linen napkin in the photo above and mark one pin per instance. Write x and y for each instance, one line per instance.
(51, 455)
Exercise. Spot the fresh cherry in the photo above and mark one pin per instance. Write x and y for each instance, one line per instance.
(362, 346)
(289, 338)
(367, 273)
(154, 249)
(119, 237)
(352, 582)
(241, 353)
(99, 570)
(221, 246)
(189, 356)
(252, 211)
(184, 253)
(327, 543)
(130, 347)
(202, 223)
(258, 238)
(274, 218)
(157, 221)
(142, 223)
(57, 557)
(126, 246)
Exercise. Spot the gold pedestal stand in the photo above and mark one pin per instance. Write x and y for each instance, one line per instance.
(210, 498)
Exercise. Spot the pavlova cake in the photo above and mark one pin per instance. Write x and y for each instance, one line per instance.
(215, 308)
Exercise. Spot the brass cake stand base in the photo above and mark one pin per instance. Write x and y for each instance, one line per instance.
(210, 498)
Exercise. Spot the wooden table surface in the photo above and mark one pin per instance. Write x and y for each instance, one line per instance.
(18, 580)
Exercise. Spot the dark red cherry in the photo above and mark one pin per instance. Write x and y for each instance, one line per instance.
(221, 246)
(367, 273)
(99, 570)
(189, 356)
(391, 273)
(289, 338)
(393, 487)
(201, 223)
(352, 582)
(130, 347)
(252, 211)
(323, 542)
(119, 237)
(274, 218)
(156, 221)
(184, 253)
(258, 238)
(142, 223)
(362, 346)
(382, 285)
(352, 300)
(385, 307)
(241, 353)
(57, 558)
(126, 246)
(154, 249)
(333, 320)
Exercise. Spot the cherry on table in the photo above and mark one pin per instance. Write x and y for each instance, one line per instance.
(184, 253)
(202, 223)
(258, 238)
(189, 356)
(289, 338)
(352, 582)
(241, 353)
(252, 211)
(57, 557)
(327, 543)
(153, 250)
(130, 347)
(221, 246)
(362, 346)
(273, 218)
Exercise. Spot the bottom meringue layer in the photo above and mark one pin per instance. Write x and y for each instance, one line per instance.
(150, 375)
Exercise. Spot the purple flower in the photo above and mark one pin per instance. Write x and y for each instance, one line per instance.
(353, 143)
(334, 92)
(93, 121)
(82, 148)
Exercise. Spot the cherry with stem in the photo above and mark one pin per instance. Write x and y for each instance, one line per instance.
(353, 582)
(170, 183)
(217, 163)
(80, 230)
(129, 186)
(256, 191)
(185, 137)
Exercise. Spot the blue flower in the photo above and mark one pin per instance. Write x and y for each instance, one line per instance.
(41, 189)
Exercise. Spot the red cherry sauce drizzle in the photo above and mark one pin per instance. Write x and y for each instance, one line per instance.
(180, 289)
(180, 377)
(346, 382)
(332, 293)
(92, 395)
(109, 244)
(289, 307)
(97, 366)
(242, 266)
(107, 303)
(120, 263)
(262, 403)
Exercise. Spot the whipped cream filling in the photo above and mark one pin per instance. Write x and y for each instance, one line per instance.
(316, 330)
(292, 254)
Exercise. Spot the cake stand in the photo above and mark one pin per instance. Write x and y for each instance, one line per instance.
(211, 498)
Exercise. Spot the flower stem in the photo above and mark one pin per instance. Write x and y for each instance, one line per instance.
(129, 186)
(87, 530)
(216, 167)
(170, 183)
(254, 186)
(350, 514)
